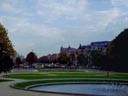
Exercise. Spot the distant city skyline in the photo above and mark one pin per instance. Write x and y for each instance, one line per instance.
(45, 25)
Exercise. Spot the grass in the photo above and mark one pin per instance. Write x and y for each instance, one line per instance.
(23, 85)
(47, 75)
(79, 77)
(59, 70)
(50, 75)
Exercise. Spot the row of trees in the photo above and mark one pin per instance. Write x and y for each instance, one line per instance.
(92, 58)
(116, 57)
(30, 58)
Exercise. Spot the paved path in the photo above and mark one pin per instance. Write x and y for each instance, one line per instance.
(6, 90)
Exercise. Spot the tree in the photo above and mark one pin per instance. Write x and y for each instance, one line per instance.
(63, 59)
(31, 58)
(6, 51)
(44, 59)
(117, 51)
(6, 46)
(96, 58)
(6, 64)
(82, 60)
(18, 61)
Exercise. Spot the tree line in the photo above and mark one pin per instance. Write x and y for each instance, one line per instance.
(115, 58)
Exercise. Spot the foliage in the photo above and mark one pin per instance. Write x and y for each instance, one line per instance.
(31, 58)
(96, 56)
(63, 59)
(6, 64)
(82, 60)
(6, 51)
(117, 51)
(18, 61)
(5, 44)
(44, 59)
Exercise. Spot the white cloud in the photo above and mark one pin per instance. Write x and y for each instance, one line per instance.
(9, 7)
(97, 21)
(48, 24)
(107, 17)
(53, 9)
(119, 3)
(22, 25)
(26, 35)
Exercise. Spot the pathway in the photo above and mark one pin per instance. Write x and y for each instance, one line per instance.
(6, 90)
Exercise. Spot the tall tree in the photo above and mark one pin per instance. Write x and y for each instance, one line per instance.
(31, 58)
(6, 50)
(118, 52)
(6, 46)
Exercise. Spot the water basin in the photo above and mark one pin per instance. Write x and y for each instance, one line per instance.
(90, 89)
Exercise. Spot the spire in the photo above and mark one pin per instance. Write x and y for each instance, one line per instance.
(80, 46)
(61, 48)
(69, 47)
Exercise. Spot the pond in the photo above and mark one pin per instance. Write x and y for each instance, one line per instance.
(90, 89)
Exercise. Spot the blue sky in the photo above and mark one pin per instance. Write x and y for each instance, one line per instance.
(45, 25)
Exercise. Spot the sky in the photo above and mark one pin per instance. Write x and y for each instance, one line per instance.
(43, 26)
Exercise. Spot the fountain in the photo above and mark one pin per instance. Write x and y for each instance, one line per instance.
(104, 89)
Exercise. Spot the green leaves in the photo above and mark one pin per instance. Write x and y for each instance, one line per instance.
(118, 51)
(31, 58)
(5, 44)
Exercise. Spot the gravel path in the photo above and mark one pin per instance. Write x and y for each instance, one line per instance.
(6, 90)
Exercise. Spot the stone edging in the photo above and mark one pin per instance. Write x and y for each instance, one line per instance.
(35, 85)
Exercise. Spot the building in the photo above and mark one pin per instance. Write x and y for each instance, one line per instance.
(67, 51)
(73, 53)
(62, 49)
(99, 45)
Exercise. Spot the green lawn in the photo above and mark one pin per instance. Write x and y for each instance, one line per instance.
(78, 77)
(50, 75)
(60, 70)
